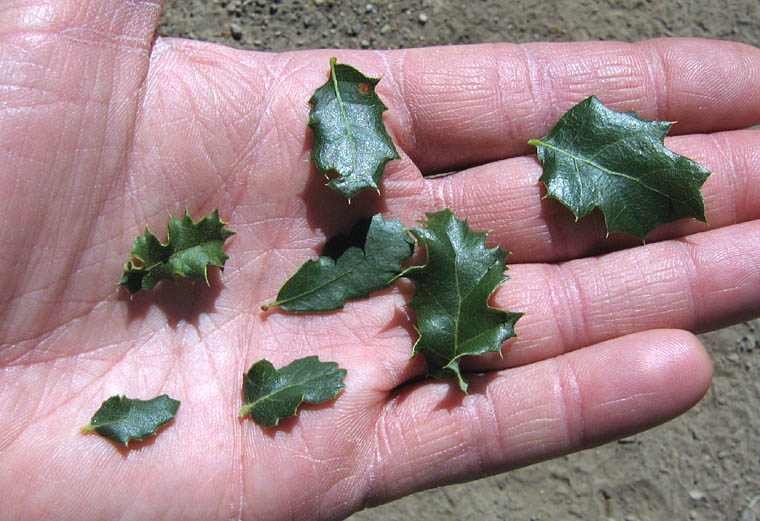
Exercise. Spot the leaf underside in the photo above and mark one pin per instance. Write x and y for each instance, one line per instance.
(596, 157)
(122, 419)
(189, 250)
(349, 135)
(451, 295)
(271, 394)
(325, 284)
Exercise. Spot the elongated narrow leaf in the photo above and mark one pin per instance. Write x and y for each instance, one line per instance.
(272, 394)
(451, 295)
(596, 157)
(122, 419)
(326, 284)
(349, 135)
(190, 248)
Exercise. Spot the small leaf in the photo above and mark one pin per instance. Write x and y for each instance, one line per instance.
(189, 249)
(326, 284)
(272, 394)
(451, 295)
(596, 157)
(122, 419)
(349, 135)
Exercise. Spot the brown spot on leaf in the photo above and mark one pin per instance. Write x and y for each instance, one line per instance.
(364, 88)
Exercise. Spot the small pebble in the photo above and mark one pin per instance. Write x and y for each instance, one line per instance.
(365, 44)
(236, 31)
(696, 495)
(385, 29)
(369, 8)
(422, 18)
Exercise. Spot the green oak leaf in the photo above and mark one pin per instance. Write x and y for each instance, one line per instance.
(349, 135)
(122, 419)
(272, 394)
(451, 295)
(596, 157)
(188, 251)
(325, 284)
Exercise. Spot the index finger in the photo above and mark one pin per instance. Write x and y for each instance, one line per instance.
(460, 106)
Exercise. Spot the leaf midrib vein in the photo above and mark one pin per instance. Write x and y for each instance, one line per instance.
(175, 254)
(273, 395)
(342, 108)
(602, 168)
(356, 266)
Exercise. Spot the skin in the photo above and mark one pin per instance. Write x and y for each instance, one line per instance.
(105, 128)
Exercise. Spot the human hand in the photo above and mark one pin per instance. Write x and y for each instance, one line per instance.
(104, 130)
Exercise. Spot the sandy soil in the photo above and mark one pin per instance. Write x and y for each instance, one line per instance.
(702, 466)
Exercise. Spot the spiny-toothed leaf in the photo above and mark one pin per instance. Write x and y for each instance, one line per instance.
(359, 271)
(451, 295)
(596, 157)
(272, 394)
(122, 419)
(349, 135)
(189, 249)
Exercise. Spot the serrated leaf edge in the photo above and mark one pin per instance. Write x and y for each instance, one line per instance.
(130, 266)
(453, 364)
(664, 127)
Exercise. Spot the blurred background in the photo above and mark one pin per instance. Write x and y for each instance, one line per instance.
(704, 465)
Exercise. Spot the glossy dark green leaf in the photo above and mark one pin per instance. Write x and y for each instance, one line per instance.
(451, 295)
(350, 139)
(596, 157)
(325, 284)
(189, 249)
(271, 394)
(122, 419)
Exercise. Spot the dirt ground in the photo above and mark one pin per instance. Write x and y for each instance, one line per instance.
(704, 465)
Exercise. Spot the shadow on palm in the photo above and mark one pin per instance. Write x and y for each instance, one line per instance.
(183, 300)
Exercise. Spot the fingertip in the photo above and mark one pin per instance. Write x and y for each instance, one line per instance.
(639, 381)
(686, 367)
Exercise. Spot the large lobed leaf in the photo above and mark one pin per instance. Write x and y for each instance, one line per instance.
(349, 135)
(272, 394)
(596, 157)
(122, 419)
(189, 249)
(451, 295)
(325, 284)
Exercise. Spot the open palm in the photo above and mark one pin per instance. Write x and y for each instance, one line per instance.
(104, 129)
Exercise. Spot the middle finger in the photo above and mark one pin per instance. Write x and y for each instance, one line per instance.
(507, 198)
